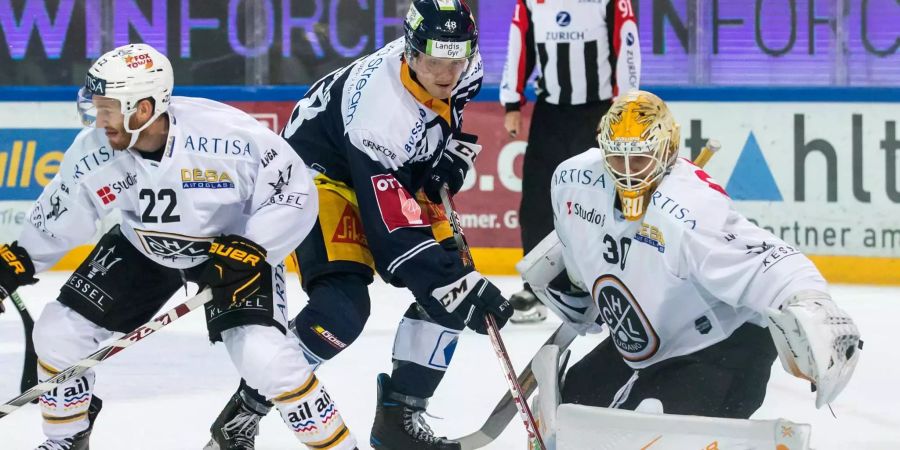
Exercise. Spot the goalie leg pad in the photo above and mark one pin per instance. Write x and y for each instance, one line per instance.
(583, 427)
(546, 367)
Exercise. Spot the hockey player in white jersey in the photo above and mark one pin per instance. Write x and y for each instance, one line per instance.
(206, 194)
(377, 132)
(685, 284)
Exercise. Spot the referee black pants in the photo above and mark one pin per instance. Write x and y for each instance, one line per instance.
(557, 133)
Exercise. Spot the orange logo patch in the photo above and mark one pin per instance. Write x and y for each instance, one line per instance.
(349, 229)
(135, 61)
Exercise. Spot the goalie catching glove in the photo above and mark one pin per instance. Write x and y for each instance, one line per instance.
(468, 300)
(456, 160)
(234, 270)
(816, 341)
(16, 270)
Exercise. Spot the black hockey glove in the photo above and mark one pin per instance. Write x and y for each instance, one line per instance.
(16, 270)
(451, 168)
(234, 270)
(470, 298)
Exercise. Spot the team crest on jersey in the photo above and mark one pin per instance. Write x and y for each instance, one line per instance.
(398, 208)
(652, 236)
(205, 179)
(629, 327)
(174, 246)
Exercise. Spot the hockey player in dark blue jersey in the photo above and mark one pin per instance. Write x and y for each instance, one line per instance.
(380, 137)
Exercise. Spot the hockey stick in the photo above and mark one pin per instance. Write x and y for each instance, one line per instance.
(515, 390)
(29, 369)
(562, 337)
(506, 408)
(106, 352)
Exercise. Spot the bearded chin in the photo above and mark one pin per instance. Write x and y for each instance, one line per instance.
(121, 143)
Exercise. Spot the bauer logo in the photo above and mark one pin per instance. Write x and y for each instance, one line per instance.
(398, 209)
(29, 159)
(629, 327)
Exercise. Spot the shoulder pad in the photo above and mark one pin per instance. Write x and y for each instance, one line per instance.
(690, 195)
(373, 87)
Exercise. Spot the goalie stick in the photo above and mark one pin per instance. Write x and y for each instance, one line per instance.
(503, 413)
(106, 352)
(29, 368)
(515, 390)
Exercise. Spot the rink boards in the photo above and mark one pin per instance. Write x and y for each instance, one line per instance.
(819, 169)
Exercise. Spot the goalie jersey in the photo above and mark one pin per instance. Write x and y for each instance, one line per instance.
(372, 127)
(682, 278)
(221, 172)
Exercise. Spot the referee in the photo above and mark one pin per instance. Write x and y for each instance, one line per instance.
(588, 53)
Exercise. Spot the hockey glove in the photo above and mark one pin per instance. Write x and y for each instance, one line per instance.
(16, 270)
(470, 298)
(451, 168)
(816, 341)
(234, 270)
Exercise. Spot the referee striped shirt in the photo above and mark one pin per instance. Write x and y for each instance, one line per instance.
(587, 51)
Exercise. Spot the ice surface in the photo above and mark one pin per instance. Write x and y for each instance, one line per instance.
(164, 392)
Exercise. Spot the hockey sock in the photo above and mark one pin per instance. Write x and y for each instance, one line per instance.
(65, 408)
(312, 415)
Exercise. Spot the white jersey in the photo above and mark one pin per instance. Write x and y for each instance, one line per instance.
(221, 172)
(684, 277)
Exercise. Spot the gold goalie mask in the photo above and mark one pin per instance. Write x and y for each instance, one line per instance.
(639, 140)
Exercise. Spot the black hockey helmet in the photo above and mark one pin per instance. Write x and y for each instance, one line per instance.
(441, 28)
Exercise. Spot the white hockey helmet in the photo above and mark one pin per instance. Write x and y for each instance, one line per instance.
(129, 74)
(639, 139)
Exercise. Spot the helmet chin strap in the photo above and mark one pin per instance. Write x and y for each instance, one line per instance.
(136, 134)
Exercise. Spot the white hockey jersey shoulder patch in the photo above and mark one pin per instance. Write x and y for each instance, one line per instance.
(373, 87)
(584, 169)
(203, 133)
(690, 196)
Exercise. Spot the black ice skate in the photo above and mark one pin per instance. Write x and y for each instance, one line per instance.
(399, 424)
(526, 307)
(237, 426)
(80, 441)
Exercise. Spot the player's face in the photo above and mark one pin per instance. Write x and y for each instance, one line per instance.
(639, 167)
(438, 75)
(111, 119)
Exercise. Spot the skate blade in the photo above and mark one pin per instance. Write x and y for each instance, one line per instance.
(533, 315)
(212, 445)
